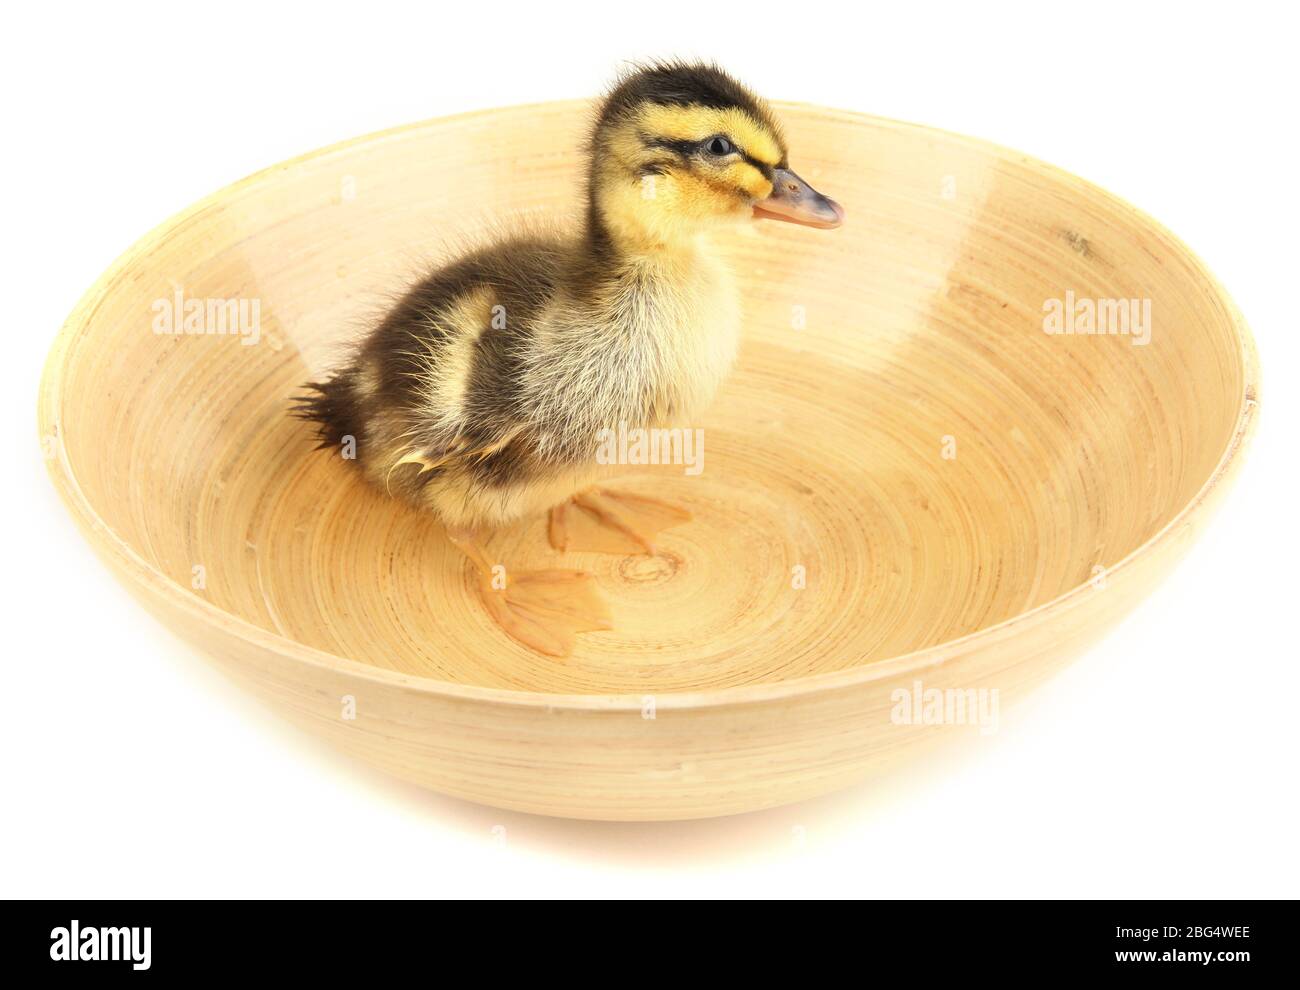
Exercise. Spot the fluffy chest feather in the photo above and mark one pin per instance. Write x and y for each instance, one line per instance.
(651, 352)
(681, 337)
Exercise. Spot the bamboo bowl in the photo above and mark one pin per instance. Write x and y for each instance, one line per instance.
(908, 484)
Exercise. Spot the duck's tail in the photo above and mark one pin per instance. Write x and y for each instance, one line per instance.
(332, 407)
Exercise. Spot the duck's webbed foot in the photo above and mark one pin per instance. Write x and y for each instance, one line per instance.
(544, 610)
(547, 609)
(611, 521)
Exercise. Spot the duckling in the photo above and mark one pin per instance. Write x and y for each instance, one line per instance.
(481, 396)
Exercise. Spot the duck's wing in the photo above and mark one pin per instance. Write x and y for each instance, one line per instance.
(463, 450)
(437, 381)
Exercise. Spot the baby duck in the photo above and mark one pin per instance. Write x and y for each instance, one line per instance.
(483, 393)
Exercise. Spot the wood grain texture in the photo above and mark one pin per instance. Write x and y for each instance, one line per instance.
(969, 499)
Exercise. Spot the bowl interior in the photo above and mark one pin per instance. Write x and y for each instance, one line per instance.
(903, 455)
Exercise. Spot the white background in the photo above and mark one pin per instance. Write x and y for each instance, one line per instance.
(1163, 763)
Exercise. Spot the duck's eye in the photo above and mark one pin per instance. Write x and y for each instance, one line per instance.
(718, 146)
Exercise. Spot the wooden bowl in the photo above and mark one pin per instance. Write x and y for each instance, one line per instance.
(909, 485)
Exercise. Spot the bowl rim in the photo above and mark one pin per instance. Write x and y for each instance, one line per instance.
(104, 538)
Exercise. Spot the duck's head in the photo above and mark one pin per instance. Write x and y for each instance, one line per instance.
(678, 148)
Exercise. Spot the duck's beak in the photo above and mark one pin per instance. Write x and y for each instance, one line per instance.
(795, 201)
